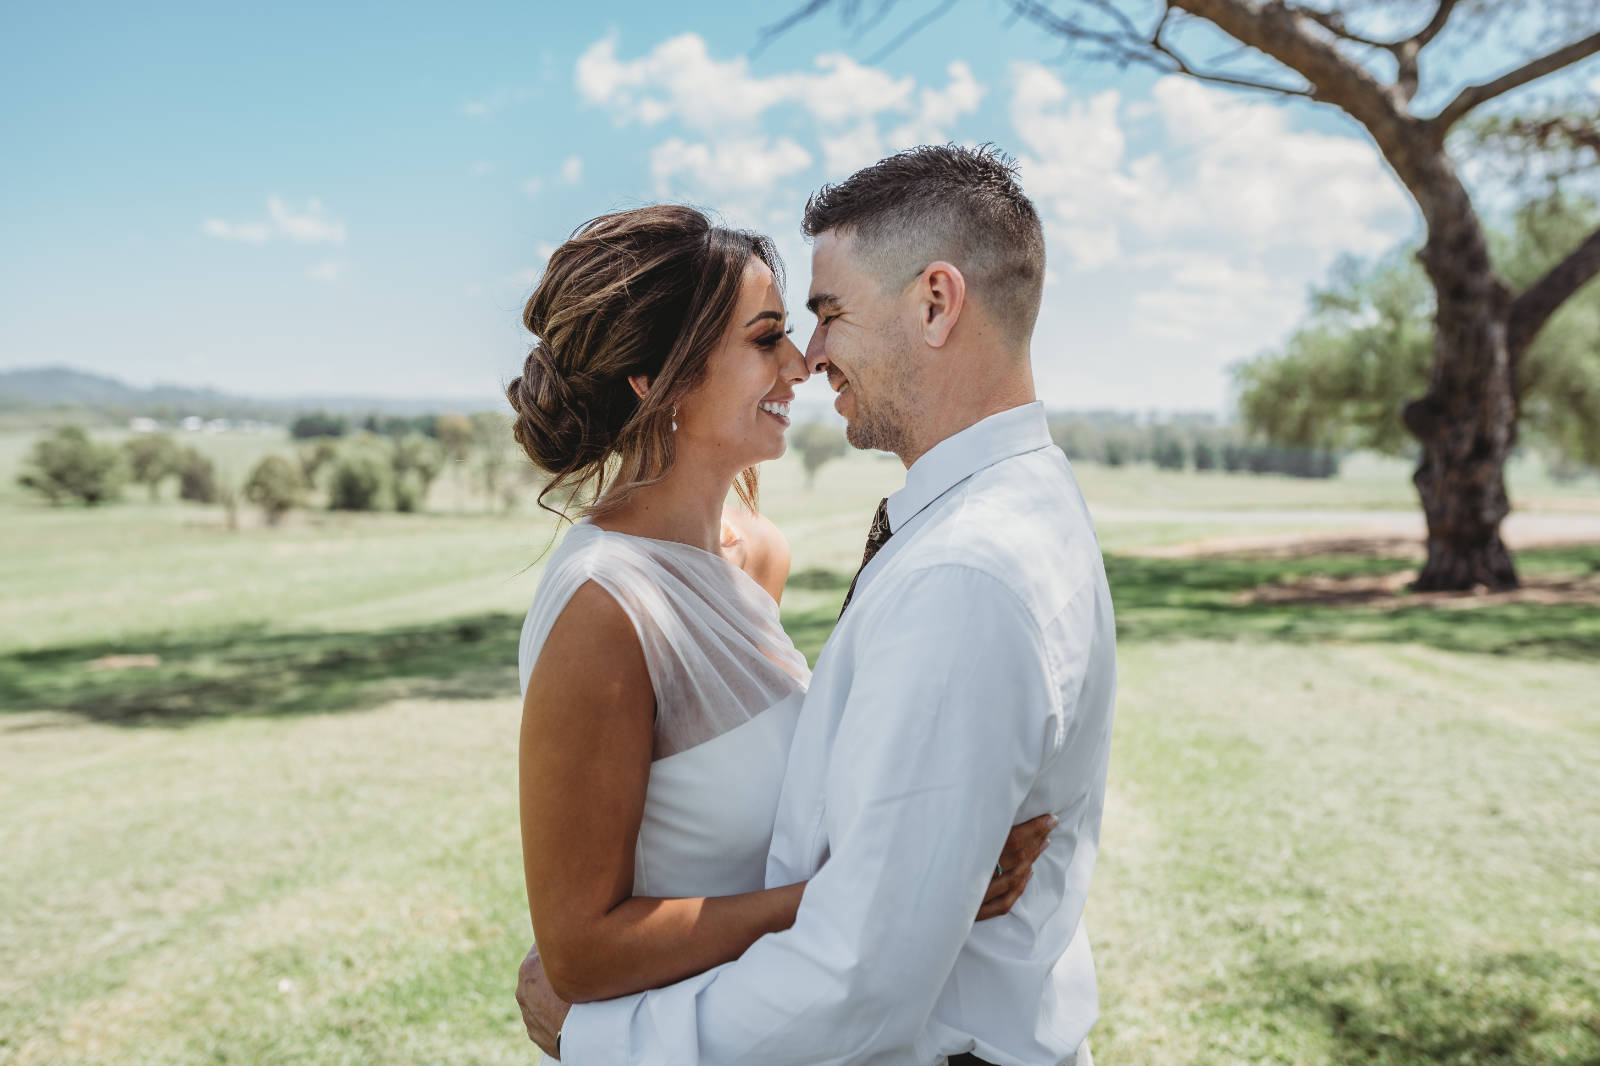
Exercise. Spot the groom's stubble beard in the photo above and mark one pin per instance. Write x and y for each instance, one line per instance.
(883, 423)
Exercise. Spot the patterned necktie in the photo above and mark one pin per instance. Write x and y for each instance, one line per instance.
(877, 537)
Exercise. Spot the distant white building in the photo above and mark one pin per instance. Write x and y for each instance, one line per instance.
(193, 424)
(144, 425)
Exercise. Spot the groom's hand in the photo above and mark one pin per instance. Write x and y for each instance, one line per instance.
(543, 1012)
(1015, 868)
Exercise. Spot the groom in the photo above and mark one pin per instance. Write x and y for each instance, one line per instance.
(968, 685)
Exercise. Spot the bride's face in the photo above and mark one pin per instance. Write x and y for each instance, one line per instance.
(737, 415)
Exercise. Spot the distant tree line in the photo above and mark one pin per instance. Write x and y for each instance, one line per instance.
(1182, 442)
(386, 463)
(315, 424)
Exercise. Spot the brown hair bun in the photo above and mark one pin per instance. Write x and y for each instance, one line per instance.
(641, 293)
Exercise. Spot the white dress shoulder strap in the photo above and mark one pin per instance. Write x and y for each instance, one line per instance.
(711, 637)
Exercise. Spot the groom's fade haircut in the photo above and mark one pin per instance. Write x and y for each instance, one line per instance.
(962, 205)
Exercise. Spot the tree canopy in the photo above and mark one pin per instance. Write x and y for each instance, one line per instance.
(1367, 345)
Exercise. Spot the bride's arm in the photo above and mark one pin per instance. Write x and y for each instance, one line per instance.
(584, 761)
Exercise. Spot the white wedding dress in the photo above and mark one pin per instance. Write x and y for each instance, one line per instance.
(728, 685)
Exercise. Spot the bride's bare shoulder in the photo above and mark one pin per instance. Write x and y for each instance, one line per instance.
(591, 645)
(759, 548)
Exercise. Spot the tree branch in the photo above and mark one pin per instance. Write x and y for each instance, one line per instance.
(1333, 22)
(772, 31)
(1531, 310)
(1183, 66)
(1473, 95)
(1424, 36)
(1131, 45)
(1288, 35)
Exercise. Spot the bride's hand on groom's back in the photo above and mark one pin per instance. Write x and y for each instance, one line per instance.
(1015, 868)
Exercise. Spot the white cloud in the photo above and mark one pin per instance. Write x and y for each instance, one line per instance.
(533, 186)
(680, 79)
(847, 147)
(730, 152)
(1241, 169)
(1192, 250)
(495, 101)
(482, 169)
(311, 225)
(846, 90)
(572, 170)
(1209, 301)
(1075, 171)
(1233, 174)
(936, 109)
(248, 232)
(852, 148)
(329, 271)
(730, 166)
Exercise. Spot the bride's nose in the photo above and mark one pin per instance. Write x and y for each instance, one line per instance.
(794, 366)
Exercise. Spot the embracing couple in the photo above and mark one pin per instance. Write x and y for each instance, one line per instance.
(730, 859)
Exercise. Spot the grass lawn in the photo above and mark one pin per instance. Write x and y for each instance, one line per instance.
(257, 792)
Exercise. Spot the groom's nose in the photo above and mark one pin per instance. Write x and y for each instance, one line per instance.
(816, 352)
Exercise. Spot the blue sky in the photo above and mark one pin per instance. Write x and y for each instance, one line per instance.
(297, 199)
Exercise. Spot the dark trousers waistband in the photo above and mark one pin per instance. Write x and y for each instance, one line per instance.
(967, 1058)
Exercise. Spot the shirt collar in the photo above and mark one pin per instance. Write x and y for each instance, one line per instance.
(959, 456)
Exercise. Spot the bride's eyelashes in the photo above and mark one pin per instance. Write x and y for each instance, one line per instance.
(771, 340)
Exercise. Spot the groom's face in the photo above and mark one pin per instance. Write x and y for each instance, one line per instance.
(861, 342)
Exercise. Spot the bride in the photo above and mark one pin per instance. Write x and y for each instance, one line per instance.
(660, 691)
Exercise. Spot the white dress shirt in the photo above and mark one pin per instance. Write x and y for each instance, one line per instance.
(968, 687)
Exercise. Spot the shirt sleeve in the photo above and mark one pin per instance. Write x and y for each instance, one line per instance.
(943, 733)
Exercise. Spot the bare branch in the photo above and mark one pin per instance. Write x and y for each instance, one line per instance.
(911, 31)
(1287, 35)
(1533, 308)
(1122, 48)
(1473, 95)
(1183, 66)
(771, 32)
(1441, 15)
(1130, 45)
(1333, 22)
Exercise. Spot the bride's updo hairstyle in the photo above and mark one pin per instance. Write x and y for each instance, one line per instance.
(644, 292)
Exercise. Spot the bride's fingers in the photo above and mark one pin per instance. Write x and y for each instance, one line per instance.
(1002, 904)
(1026, 841)
(1004, 885)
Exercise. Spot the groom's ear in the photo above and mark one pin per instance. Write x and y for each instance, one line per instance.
(943, 292)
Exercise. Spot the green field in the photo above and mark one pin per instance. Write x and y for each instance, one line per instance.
(257, 787)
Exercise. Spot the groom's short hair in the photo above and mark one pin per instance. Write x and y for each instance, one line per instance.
(944, 202)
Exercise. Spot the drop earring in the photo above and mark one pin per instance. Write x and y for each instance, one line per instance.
(674, 418)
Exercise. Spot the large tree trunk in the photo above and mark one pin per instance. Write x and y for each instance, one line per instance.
(1467, 420)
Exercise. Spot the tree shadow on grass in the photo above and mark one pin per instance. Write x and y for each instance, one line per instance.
(247, 670)
(1206, 599)
(1167, 599)
(1494, 1010)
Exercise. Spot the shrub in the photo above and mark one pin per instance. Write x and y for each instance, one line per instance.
(417, 461)
(197, 477)
(817, 443)
(68, 465)
(1168, 454)
(274, 486)
(152, 458)
(318, 424)
(360, 479)
(315, 456)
